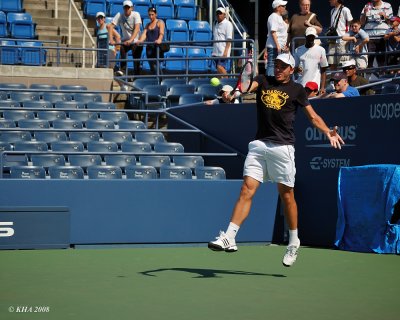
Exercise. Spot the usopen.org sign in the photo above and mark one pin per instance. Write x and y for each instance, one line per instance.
(384, 111)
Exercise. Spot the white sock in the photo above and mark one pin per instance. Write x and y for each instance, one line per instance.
(293, 238)
(232, 230)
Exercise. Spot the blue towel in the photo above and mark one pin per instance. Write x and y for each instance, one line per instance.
(366, 199)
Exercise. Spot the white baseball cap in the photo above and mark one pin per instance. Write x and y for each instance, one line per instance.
(349, 63)
(278, 3)
(286, 58)
(227, 88)
(220, 9)
(98, 14)
(127, 3)
(311, 31)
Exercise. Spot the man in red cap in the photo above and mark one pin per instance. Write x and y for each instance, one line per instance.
(311, 88)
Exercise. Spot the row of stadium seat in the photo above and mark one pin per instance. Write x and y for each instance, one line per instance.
(28, 53)
(116, 172)
(17, 25)
(166, 9)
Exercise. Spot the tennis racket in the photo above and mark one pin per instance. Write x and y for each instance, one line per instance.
(245, 79)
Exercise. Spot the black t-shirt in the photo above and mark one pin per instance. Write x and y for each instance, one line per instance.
(277, 105)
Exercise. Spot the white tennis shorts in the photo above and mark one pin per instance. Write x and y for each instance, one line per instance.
(267, 161)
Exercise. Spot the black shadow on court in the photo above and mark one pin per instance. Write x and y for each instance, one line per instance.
(210, 273)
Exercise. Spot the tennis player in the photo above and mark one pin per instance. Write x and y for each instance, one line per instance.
(271, 155)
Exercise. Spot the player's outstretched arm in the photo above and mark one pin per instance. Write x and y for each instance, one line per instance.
(333, 136)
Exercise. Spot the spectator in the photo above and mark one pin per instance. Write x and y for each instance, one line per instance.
(226, 96)
(355, 80)
(102, 33)
(392, 38)
(375, 18)
(311, 89)
(357, 43)
(277, 35)
(129, 22)
(223, 30)
(311, 62)
(342, 87)
(153, 32)
(340, 20)
(301, 21)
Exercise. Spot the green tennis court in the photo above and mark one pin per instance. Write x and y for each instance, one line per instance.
(197, 284)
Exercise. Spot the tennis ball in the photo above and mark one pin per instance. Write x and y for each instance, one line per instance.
(215, 82)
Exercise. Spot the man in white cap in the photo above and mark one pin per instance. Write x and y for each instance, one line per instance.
(227, 96)
(271, 154)
(349, 67)
(223, 30)
(129, 22)
(277, 35)
(311, 62)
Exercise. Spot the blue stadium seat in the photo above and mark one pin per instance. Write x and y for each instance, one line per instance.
(83, 115)
(7, 123)
(84, 136)
(175, 172)
(8, 54)
(3, 25)
(198, 63)
(73, 87)
(228, 81)
(32, 53)
(210, 173)
(9, 104)
(50, 136)
(140, 83)
(15, 136)
(102, 146)
(12, 86)
(176, 91)
(155, 161)
(388, 88)
(115, 116)
(199, 81)
(117, 136)
(84, 160)
(67, 124)
(20, 25)
(43, 86)
(177, 30)
(120, 160)
(169, 82)
(208, 91)
(104, 172)
(11, 5)
(27, 172)
(169, 147)
(100, 124)
(66, 172)
(149, 137)
(55, 97)
(190, 98)
(131, 124)
(47, 160)
(10, 160)
(140, 172)
(185, 9)
(136, 147)
(51, 115)
(100, 105)
(142, 6)
(68, 104)
(35, 104)
(189, 161)
(174, 62)
(87, 97)
(5, 146)
(24, 96)
(91, 7)
(67, 146)
(33, 124)
(30, 146)
(114, 6)
(200, 31)
(165, 9)
(17, 115)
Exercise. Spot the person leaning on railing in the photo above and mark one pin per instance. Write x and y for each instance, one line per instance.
(392, 38)
(357, 40)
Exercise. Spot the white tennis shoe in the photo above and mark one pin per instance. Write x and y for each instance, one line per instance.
(291, 255)
(223, 243)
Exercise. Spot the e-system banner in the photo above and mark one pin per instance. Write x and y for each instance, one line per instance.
(370, 126)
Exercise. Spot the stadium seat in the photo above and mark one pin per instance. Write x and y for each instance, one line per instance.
(36, 104)
(115, 116)
(12, 86)
(42, 86)
(84, 160)
(66, 172)
(165, 9)
(5, 146)
(32, 53)
(140, 83)
(200, 31)
(86, 97)
(67, 124)
(140, 172)
(175, 172)
(20, 25)
(67, 146)
(210, 173)
(47, 160)
(177, 30)
(131, 124)
(73, 87)
(50, 136)
(136, 147)
(197, 62)
(7, 123)
(188, 161)
(9, 104)
(68, 104)
(185, 9)
(8, 53)
(55, 97)
(83, 115)
(149, 137)
(30, 146)
(102, 146)
(120, 160)
(100, 105)
(27, 172)
(104, 172)
(33, 124)
(100, 124)
(3, 25)
(10, 160)
(174, 62)
(199, 81)
(84, 136)
(11, 5)
(51, 115)
(228, 81)
(15, 136)
(190, 98)
(113, 7)
(388, 88)
(169, 147)
(24, 96)
(117, 136)
(176, 91)
(170, 82)
(208, 91)
(155, 161)
(142, 6)
(17, 115)
(91, 7)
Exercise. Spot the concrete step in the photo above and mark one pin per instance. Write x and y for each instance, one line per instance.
(48, 4)
(43, 13)
(60, 22)
(76, 42)
(61, 31)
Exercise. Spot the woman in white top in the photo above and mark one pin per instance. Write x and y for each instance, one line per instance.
(375, 17)
(277, 35)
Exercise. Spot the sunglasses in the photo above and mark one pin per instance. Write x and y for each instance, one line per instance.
(219, 13)
(348, 68)
(100, 17)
